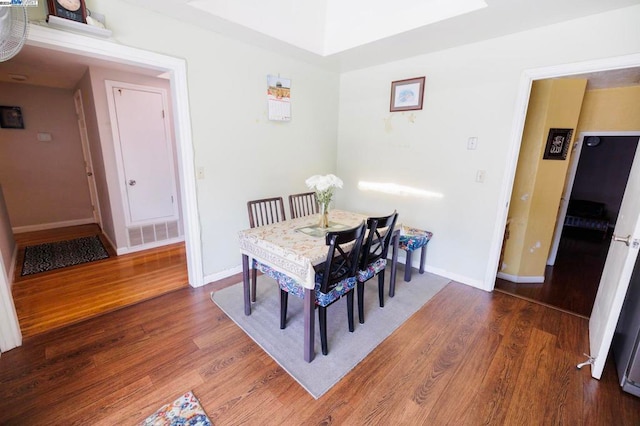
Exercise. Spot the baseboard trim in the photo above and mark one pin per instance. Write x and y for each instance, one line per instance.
(126, 250)
(520, 280)
(452, 276)
(222, 274)
(53, 225)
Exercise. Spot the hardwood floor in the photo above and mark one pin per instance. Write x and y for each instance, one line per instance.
(467, 357)
(571, 284)
(57, 298)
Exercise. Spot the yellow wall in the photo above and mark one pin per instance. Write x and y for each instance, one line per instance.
(539, 183)
(611, 110)
(520, 206)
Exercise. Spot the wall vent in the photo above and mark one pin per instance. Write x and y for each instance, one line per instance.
(140, 235)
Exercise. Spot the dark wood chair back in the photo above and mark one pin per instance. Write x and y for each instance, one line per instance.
(376, 245)
(303, 204)
(265, 211)
(342, 257)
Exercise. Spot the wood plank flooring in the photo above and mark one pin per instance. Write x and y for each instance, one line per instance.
(571, 284)
(57, 298)
(467, 357)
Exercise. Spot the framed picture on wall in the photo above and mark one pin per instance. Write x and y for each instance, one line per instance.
(407, 95)
(11, 117)
(558, 143)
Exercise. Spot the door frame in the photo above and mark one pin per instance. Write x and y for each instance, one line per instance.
(521, 107)
(564, 201)
(176, 70)
(570, 180)
(86, 154)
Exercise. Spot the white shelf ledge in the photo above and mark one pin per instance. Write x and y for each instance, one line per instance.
(78, 27)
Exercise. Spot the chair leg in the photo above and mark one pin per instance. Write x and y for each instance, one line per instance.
(322, 319)
(284, 298)
(381, 288)
(423, 256)
(254, 277)
(361, 302)
(350, 310)
(407, 267)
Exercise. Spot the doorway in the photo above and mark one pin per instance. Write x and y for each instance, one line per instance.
(597, 188)
(62, 43)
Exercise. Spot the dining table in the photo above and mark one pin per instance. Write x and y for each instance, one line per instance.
(295, 247)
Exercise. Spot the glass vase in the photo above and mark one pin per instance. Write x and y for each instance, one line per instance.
(324, 215)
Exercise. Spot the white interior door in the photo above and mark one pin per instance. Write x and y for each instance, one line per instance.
(146, 154)
(617, 272)
(86, 153)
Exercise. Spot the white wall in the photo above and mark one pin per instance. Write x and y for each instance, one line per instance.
(470, 91)
(10, 336)
(8, 248)
(244, 155)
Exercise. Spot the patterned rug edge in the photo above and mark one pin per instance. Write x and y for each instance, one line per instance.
(61, 254)
(186, 410)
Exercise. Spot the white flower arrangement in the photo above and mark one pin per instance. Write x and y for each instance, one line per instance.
(324, 186)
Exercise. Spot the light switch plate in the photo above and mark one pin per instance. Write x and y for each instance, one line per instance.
(44, 137)
(472, 143)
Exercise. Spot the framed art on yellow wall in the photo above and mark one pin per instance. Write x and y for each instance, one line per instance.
(558, 143)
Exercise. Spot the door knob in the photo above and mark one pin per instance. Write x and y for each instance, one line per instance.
(132, 182)
(626, 240)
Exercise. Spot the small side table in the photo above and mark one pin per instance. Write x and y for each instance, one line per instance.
(410, 240)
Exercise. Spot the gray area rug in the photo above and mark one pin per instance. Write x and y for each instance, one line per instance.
(346, 349)
(50, 256)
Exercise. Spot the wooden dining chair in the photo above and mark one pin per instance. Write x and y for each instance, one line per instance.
(303, 204)
(263, 212)
(373, 260)
(336, 277)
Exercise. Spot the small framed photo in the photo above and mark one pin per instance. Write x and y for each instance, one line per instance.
(558, 143)
(407, 95)
(11, 117)
(74, 10)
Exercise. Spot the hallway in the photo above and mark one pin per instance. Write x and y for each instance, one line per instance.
(571, 285)
(54, 299)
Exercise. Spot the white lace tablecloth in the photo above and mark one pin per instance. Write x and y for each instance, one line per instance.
(285, 247)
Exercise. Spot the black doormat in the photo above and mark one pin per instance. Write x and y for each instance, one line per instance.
(50, 256)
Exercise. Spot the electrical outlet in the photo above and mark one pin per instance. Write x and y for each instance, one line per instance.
(480, 175)
(200, 172)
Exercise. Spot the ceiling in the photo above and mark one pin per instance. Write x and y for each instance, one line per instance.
(500, 17)
(325, 27)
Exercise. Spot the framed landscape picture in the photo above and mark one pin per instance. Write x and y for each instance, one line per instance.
(407, 95)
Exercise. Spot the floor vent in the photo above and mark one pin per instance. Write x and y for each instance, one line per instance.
(146, 234)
